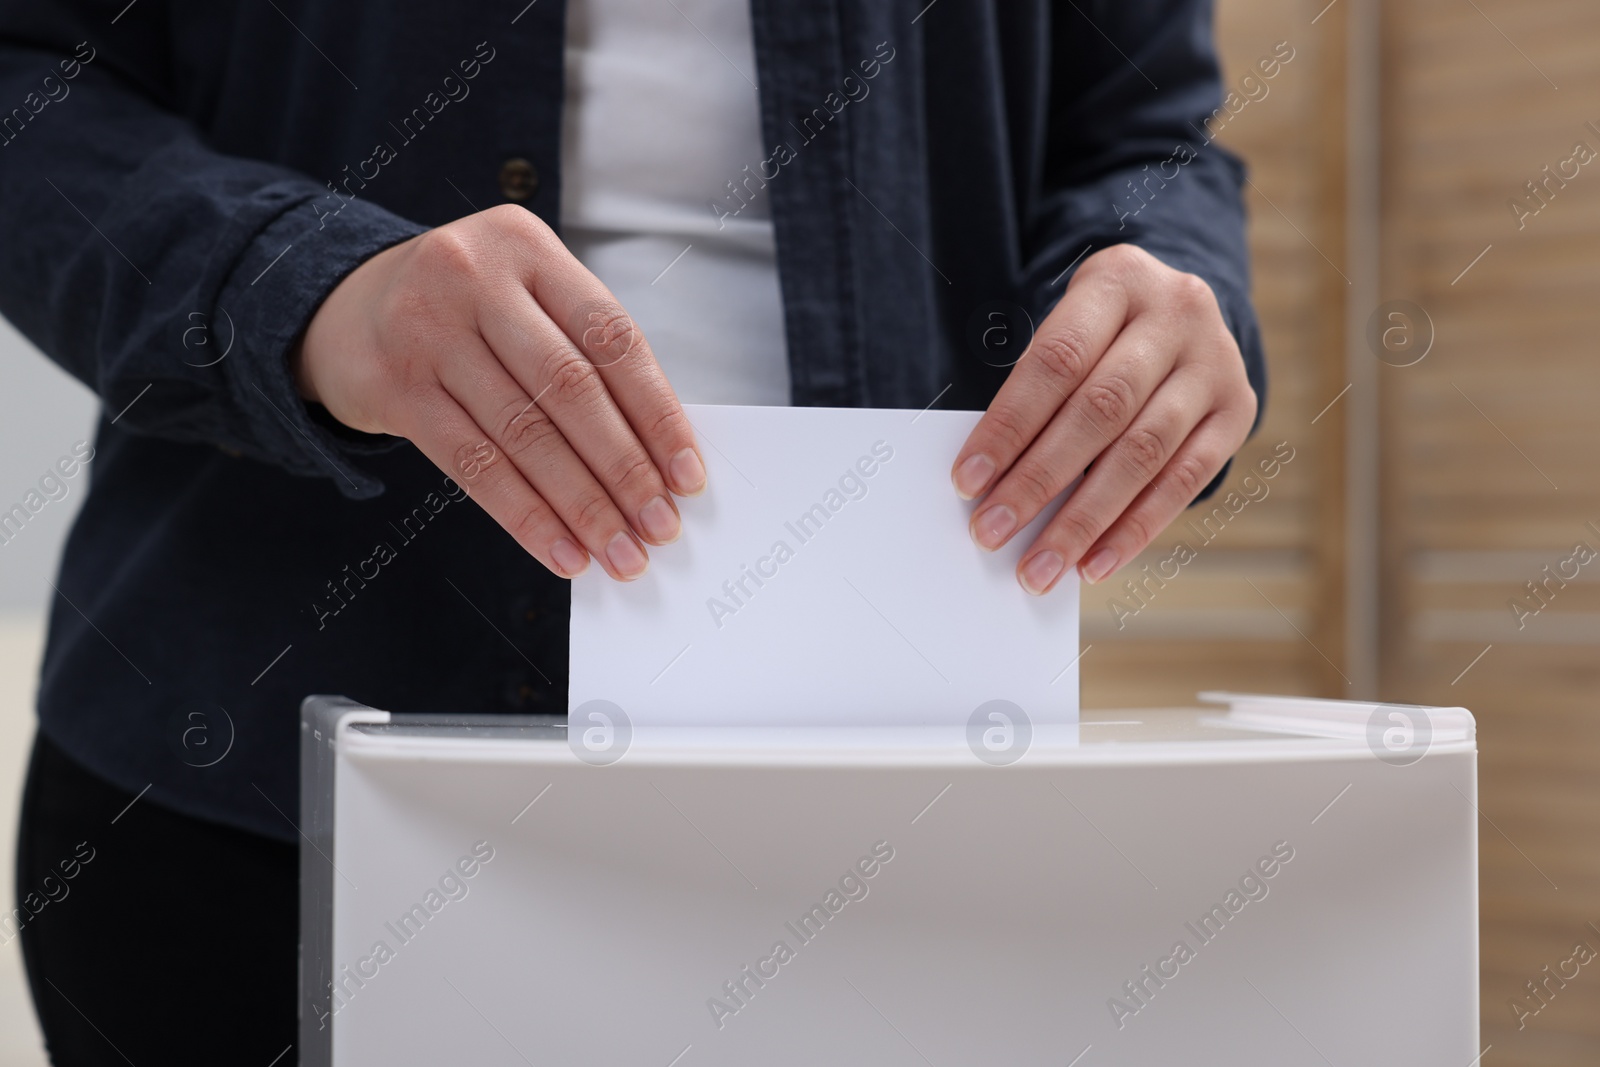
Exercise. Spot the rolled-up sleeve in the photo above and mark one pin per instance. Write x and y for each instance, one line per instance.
(1130, 158)
(171, 279)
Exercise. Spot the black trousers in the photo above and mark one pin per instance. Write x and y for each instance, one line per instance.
(154, 939)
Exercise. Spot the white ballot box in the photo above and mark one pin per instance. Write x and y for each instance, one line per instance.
(1265, 881)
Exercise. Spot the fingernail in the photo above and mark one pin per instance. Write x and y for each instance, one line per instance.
(1041, 570)
(626, 557)
(1098, 565)
(688, 473)
(572, 560)
(994, 526)
(660, 521)
(973, 474)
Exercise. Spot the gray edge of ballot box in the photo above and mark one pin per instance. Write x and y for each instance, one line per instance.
(1030, 914)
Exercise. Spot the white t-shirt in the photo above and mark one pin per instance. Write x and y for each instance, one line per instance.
(656, 124)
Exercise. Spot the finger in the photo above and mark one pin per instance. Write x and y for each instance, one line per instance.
(1100, 410)
(1134, 459)
(614, 345)
(1067, 346)
(455, 443)
(546, 367)
(1189, 471)
(525, 434)
(1195, 463)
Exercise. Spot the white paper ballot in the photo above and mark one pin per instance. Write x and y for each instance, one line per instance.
(826, 577)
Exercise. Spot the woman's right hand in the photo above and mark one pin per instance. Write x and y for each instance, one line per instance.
(493, 350)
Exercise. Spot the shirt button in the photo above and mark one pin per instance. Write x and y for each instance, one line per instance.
(518, 179)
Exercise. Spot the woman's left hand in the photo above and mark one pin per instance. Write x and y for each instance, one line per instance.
(1133, 371)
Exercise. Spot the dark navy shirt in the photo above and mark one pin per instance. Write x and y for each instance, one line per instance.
(183, 181)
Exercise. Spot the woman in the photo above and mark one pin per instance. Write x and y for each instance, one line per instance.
(365, 289)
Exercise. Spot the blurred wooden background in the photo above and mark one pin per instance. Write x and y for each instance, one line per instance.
(1385, 158)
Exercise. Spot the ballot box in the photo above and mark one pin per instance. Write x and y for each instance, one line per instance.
(1253, 881)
